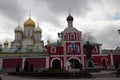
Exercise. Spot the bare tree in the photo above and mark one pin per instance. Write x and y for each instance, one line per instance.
(88, 37)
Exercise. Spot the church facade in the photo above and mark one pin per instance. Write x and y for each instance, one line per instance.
(29, 36)
(28, 46)
(64, 56)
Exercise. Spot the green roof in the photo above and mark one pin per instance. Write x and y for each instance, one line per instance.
(105, 51)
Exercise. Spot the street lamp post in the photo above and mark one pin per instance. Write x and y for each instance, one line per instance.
(17, 51)
(60, 36)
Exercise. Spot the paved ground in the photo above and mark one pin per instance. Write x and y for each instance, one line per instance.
(105, 76)
(20, 78)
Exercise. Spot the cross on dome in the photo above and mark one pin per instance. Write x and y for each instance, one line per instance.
(69, 18)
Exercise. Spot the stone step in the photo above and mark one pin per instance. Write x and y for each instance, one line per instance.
(103, 75)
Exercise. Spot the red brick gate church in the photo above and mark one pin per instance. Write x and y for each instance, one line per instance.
(28, 46)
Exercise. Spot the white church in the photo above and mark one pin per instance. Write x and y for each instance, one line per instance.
(29, 37)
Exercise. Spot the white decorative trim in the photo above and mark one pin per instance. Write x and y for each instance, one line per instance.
(47, 62)
(104, 58)
(111, 59)
(67, 55)
(23, 60)
(82, 55)
(100, 50)
(75, 58)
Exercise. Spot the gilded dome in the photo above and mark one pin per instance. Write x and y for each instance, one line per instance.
(6, 42)
(29, 23)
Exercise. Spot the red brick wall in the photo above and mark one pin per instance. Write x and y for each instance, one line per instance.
(116, 59)
(11, 63)
(37, 62)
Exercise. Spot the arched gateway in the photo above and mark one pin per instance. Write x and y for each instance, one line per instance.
(74, 63)
(56, 64)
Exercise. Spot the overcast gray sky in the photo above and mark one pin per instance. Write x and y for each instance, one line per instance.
(100, 18)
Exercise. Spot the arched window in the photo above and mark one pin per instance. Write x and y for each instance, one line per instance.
(95, 50)
(72, 37)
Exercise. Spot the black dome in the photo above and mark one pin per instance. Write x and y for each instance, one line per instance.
(69, 18)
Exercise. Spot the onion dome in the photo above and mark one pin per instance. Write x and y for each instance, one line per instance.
(18, 28)
(69, 18)
(6, 42)
(38, 29)
(29, 23)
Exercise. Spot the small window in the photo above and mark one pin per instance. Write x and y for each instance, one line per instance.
(53, 49)
(72, 37)
(69, 49)
(37, 46)
(79, 36)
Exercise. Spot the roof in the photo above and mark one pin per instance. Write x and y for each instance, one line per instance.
(70, 29)
(105, 51)
(10, 50)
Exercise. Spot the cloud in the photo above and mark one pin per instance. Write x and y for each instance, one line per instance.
(100, 17)
(105, 32)
(11, 9)
(78, 7)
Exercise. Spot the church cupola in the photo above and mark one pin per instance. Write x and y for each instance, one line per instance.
(70, 21)
(38, 29)
(37, 33)
(29, 23)
(18, 29)
(6, 43)
(69, 18)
